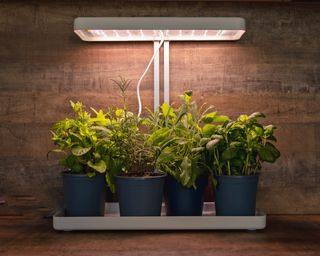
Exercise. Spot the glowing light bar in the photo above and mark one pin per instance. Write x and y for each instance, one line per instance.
(156, 28)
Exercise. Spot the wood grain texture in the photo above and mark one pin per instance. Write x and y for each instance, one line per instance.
(274, 68)
(24, 232)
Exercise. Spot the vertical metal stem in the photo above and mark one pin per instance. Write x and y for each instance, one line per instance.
(156, 77)
(166, 75)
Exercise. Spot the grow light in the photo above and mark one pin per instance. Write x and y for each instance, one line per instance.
(156, 28)
(160, 30)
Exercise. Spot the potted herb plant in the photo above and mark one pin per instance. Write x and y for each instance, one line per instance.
(139, 185)
(81, 141)
(181, 150)
(237, 149)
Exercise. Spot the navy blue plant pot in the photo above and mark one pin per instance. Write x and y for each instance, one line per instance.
(236, 195)
(84, 196)
(140, 196)
(183, 201)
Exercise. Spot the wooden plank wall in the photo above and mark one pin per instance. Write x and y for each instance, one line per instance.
(274, 69)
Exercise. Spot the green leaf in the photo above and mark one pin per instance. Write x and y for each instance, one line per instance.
(101, 128)
(187, 96)
(159, 136)
(229, 153)
(167, 155)
(91, 174)
(167, 110)
(208, 118)
(56, 150)
(275, 152)
(79, 151)
(71, 162)
(182, 141)
(243, 118)
(188, 93)
(217, 136)
(220, 119)
(96, 155)
(100, 166)
(273, 138)
(258, 129)
(204, 141)
(197, 150)
(270, 127)
(211, 144)
(185, 175)
(268, 153)
(119, 112)
(80, 138)
(236, 144)
(256, 115)
(209, 129)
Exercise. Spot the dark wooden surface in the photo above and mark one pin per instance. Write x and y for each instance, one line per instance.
(274, 68)
(25, 232)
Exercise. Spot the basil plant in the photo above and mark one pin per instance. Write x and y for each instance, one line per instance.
(239, 147)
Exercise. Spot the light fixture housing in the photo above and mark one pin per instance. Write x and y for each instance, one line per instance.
(157, 28)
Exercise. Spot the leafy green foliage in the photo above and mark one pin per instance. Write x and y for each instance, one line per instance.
(239, 147)
(82, 141)
(109, 142)
(130, 148)
(179, 139)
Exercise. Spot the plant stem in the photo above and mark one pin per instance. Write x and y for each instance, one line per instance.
(245, 171)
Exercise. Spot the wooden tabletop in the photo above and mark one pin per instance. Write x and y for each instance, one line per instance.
(24, 230)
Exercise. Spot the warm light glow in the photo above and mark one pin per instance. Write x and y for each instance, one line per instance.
(155, 35)
(153, 29)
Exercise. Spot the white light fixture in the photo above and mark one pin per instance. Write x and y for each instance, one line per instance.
(160, 30)
(152, 28)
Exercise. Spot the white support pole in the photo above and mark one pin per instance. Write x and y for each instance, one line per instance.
(166, 75)
(156, 77)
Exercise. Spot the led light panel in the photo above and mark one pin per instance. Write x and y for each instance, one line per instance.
(156, 28)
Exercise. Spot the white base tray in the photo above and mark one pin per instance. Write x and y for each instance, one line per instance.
(112, 221)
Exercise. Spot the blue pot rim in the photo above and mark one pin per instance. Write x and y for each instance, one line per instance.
(237, 179)
(123, 177)
(237, 176)
(79, 175)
